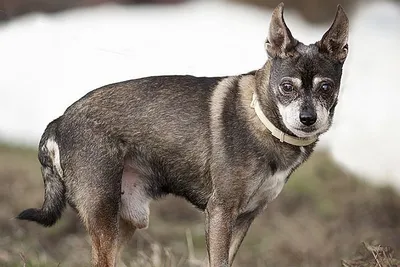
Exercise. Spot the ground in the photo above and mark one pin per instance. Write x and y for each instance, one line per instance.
(322, 216)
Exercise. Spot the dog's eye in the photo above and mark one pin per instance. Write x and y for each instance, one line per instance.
(326, 87)
(287, 88)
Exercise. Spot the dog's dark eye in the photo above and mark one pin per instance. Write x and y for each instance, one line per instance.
(287, 88)
(326, 87)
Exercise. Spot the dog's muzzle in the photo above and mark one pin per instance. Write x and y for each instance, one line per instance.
(283, 137)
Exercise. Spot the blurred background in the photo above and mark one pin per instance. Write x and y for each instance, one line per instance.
(53, 52)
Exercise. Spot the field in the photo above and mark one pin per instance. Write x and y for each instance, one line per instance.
(322, 217)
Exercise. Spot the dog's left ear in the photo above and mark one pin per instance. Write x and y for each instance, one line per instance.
(280, 42)
(334, 41)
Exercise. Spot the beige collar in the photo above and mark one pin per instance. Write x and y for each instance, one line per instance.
(293, 140)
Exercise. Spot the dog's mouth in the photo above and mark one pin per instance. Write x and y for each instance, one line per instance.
(305, 132)
(291, 120)
(307, 129)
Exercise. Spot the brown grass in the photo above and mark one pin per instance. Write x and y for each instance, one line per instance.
(321, 217)
(371, 256)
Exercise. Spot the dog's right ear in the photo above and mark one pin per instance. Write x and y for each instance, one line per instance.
(280, 42)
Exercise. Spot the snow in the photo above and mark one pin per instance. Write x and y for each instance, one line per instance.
(49, 61)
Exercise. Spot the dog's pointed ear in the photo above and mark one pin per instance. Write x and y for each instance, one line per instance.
(280, 42)
(335, 40)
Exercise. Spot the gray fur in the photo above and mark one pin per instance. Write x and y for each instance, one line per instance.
(122, 145)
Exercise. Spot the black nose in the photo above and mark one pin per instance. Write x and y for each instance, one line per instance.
(308, 117)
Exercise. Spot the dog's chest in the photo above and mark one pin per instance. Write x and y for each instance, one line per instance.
(264, 189)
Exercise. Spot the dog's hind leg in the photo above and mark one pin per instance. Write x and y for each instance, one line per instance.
(94, 171)
(104, 236)
(99, 208)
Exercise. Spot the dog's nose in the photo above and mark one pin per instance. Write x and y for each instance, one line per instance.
(308, 117)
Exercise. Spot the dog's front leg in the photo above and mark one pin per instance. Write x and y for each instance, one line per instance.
(240, 229)
(220, 218)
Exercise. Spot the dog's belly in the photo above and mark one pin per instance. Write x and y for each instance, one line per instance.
(134, 199)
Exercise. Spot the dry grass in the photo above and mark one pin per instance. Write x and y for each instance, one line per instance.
(321, 217)
(373, 256)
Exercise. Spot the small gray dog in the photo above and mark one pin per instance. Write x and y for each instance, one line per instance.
(226, 144)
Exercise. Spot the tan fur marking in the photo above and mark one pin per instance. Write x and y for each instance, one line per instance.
(247, 87)
(104, 249)
(218, 99)
(217, 105)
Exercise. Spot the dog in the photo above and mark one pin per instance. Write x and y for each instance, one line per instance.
(226, 144)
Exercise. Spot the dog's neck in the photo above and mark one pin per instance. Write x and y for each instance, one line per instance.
(267, 110)
(268, 106)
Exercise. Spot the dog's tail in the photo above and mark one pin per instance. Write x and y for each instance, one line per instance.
(54, 195)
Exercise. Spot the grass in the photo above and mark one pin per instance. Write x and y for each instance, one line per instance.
(371, 256)
(322, 216)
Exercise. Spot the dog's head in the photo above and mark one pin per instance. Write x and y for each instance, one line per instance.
(304, 80)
